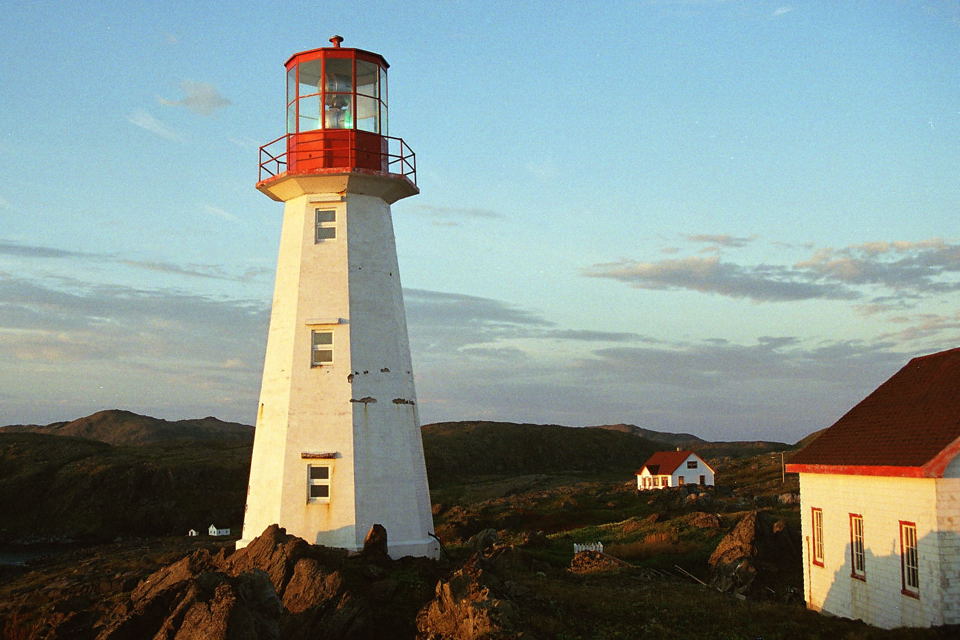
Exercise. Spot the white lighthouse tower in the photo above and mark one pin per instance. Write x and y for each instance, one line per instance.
(337, 445)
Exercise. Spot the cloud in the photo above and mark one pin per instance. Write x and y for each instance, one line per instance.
(146, 121)
(583, 335)
(452, 216)
(4, 203)
(943, 329)
(907, 270)
(199, 97)
(722, 240)
(779, 11)
(214, 272)
(761, 283)
(32, 251)
(220, 213)
(926, 266)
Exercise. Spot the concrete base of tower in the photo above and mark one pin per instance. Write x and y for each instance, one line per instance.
(426, 548)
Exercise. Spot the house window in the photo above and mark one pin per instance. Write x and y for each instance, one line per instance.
(857, 558)
(318, 483)
(909, 560)
(681, 480)
(326, 223)
(691, 464)
(817, 536)
(321, 350)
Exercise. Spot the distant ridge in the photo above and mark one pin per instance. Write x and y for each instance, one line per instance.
(666, 439)
(118, 427)
(471, 448)
(650, 434)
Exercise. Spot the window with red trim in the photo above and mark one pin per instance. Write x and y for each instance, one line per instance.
(909, 559)
(817, 527)
(858, 568)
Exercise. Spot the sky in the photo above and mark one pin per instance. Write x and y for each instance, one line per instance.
(728, 218)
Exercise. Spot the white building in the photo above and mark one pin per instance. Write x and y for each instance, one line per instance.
(337, 446)
(213, 531)
(673, 469)
(880, 502)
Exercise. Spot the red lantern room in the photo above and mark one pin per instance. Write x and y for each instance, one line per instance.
(336, 121)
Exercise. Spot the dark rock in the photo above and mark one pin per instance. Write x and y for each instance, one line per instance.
(278, 586)
(594, 562)
(757, 558)
(484, 541)
(470, 605)
(703, 520)
(375, 544)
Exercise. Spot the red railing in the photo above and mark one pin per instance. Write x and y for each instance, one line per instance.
(306, 155)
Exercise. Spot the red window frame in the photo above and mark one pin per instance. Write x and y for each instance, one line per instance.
(858, 558)
(905, 555)
(816, 526)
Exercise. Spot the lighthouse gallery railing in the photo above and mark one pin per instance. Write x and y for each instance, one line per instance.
(397, 159)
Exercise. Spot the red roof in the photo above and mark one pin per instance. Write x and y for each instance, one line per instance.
(664, 463)
(909, 426)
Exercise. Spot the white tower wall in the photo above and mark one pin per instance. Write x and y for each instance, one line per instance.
(356, 414)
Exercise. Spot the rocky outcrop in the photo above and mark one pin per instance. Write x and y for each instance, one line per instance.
(470, 605)
(595, 561)
(277, 587)
(757, 558)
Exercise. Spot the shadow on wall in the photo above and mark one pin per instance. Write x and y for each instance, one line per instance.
(881, 595)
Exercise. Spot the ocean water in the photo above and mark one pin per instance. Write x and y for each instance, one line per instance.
(18, 556)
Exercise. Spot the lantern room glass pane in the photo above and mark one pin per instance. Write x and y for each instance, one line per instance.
(367, 79)
(292, 117)
(309, 77)
(368, 114)
(339, 74)
(309, 113)
(383, 85)
(337, 112)
(384, 129)
(291, 84)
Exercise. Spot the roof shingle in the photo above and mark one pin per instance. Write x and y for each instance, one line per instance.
(910, 421)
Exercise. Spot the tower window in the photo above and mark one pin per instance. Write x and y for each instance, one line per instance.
(326, 223)
(321, 352)
(318, 483)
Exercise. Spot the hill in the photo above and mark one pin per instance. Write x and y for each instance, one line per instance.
(458, 450)
(126, 428)
(55, 488)
(706, 448)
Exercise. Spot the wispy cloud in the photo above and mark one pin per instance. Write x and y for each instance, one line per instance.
(779, 11)
(33, 251)
(199, 97)
(220, 213)
(760, 283)
(903, 270)
(215, 272)
(721, 240)
(452, 216)
(146, 121)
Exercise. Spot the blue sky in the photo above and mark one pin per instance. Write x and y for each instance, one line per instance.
(728, 218)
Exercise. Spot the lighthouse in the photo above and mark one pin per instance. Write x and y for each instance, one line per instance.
(337, 447)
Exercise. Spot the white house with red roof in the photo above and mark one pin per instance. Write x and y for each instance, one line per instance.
(880, 502)
(673, 469)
